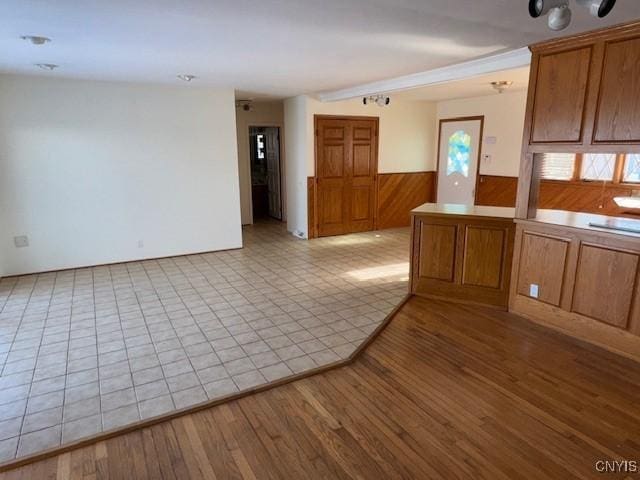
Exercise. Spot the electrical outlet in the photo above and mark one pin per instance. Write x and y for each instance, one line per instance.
(140, 243)
(21, 241)
(533, 290)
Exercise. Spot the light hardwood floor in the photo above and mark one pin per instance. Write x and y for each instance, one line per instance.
(445, 391)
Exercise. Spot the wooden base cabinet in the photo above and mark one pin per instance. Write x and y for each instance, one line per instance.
(582, 282)
(462, 258)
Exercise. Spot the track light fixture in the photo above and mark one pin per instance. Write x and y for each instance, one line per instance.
(560, 13)
(186, 78)
(380, 100)
(47, 66)
(36, 40)
(598, 8)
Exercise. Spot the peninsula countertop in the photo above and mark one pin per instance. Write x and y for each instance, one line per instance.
(453, 209)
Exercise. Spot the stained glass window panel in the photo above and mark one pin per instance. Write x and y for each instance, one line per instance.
(598, 166)
(458, 159)
(632, 167)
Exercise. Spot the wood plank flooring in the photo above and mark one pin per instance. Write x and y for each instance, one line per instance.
(445, 391)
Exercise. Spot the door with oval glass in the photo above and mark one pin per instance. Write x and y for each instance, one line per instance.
(458, 159)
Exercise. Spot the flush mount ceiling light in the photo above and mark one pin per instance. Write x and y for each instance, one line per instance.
(186, 78)
(501, 85)
(560, 13)
(246, 105)
(35, 40)
(47, 66)
(380, 100)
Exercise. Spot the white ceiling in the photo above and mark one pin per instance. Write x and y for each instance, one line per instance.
(469, 87)
(268, 47)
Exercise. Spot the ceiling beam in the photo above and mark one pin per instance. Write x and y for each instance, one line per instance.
(495, 63)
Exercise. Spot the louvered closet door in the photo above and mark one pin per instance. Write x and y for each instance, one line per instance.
(346, 163)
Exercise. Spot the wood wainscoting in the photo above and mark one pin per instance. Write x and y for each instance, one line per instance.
(496, 191)
(399, 193)
(396, 193)
(587, 197)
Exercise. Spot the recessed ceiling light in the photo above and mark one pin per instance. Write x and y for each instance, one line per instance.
(47, 66)
(34, 39)
(186, 78)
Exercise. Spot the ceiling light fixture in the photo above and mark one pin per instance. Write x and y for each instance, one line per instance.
(246, 105)
(34, 39)
(598, 8)
(186, 78)
(559, 18)
(380, 100)
(560, 13)
(501, 85)
(47, 66)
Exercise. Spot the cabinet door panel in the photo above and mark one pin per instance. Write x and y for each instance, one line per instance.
(618, 114)
(437, 252)
(542, 262)
(483, 254)
(605, 280)
(560, 96)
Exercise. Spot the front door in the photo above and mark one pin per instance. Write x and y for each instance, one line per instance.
(346, 168)
(458, 159)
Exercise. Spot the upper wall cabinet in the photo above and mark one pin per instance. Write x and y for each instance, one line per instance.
(618, 112)
(558, 111)
(584, 93)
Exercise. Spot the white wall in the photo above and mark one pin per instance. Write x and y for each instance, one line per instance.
(503, 119)
(88, 169)
(262, 114)
(407, 137)
(296, 138)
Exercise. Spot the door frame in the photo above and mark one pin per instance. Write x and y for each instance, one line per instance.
(461, 119)
(312, 207)
(280, 128)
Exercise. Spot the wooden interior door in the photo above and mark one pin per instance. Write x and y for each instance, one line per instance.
(272, 152)
(346, 168)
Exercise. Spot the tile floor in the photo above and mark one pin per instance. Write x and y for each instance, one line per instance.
(88, 350)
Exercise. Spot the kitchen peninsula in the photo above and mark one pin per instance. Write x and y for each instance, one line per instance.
(462, 253)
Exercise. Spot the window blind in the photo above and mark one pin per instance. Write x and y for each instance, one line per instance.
(557, 166)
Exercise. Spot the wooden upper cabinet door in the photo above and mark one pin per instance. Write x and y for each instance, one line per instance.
(560, 96)
(618, 113)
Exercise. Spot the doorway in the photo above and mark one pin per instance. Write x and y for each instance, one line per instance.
(266, 191)
(459, 142)
(346, 174)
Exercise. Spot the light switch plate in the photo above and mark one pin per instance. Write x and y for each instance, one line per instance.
(21, 241)
(533, 290)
